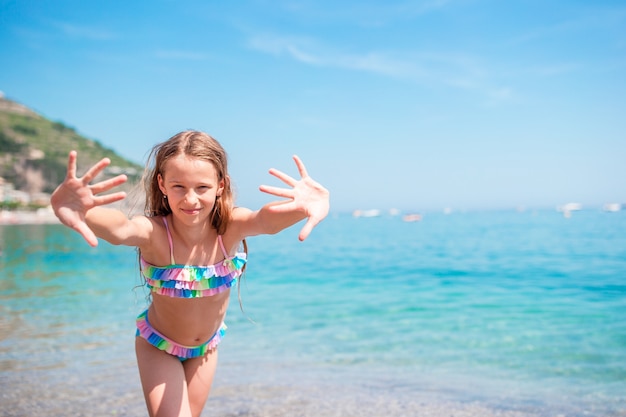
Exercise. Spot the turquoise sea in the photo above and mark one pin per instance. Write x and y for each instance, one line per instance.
(466, 314)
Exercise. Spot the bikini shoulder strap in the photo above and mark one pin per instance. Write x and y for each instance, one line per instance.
(219, 239)
(169, 239)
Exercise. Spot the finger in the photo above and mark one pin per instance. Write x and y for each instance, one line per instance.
(71, 165)
(301, 167)
(284, 206)
(307, 228)
(95, 170)
(108, 184)
(283, 177)
(277, 191)
(86, 233)
(109, 198)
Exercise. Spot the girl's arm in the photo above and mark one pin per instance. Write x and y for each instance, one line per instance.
(75, 202)
(305, 199)
(113, 226)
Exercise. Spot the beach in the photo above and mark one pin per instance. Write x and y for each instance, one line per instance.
(40, 216)
(468, 314)
(258, 400)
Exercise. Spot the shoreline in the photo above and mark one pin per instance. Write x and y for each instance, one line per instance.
(117, 391)
(19, 217)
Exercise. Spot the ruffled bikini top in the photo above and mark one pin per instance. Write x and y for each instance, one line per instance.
(192, 281)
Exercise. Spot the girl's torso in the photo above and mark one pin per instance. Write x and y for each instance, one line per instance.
(189, 302)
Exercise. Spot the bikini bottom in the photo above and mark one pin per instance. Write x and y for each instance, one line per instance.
(156, 339)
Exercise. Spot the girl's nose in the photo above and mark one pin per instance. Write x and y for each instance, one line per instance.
(191, 197)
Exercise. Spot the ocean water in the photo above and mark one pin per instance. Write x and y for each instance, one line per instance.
(467, 314)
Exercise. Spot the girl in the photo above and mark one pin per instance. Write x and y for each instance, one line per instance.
(187, 244)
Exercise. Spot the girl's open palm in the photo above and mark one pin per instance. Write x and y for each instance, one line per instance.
(75, 196)
(305, 195)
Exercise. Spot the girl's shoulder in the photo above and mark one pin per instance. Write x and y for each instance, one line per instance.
(241, 214)
(154, 233)
(241, 218)
(237, 226)
(147, 225)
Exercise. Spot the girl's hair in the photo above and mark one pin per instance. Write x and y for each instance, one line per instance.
(199, 145)
(196, 145)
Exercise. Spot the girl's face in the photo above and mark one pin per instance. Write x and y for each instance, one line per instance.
(191, 186)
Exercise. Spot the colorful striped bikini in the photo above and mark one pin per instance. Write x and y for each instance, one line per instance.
(187, 281)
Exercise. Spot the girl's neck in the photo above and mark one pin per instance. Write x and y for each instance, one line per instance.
(194, 244)
(191, 235)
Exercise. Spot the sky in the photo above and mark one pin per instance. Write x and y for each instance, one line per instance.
(412, 105)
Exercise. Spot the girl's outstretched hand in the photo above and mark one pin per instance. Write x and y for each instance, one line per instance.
(305, 195)
(74, 197)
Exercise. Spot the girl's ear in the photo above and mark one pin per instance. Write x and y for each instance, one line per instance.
(220, 186)
(161, 185)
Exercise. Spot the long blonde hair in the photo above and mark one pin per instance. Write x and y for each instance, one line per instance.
(199, 145)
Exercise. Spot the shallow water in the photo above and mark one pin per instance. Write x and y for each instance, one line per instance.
(492, 313)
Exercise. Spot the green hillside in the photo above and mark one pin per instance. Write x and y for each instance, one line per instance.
(33, 150)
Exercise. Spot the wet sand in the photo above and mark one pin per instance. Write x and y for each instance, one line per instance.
(116, 392)
(28, 398)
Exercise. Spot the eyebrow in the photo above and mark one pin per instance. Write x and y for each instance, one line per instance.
(177, 181)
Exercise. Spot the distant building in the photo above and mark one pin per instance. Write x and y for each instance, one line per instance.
(9, 194)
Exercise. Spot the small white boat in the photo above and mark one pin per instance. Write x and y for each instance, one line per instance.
(612, 207)
(414, 217)
(366, 213)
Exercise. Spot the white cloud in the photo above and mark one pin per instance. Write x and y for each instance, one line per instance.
(364, 13)
(499, 95)
(83, 32)
(588, 20)
(454, 70)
